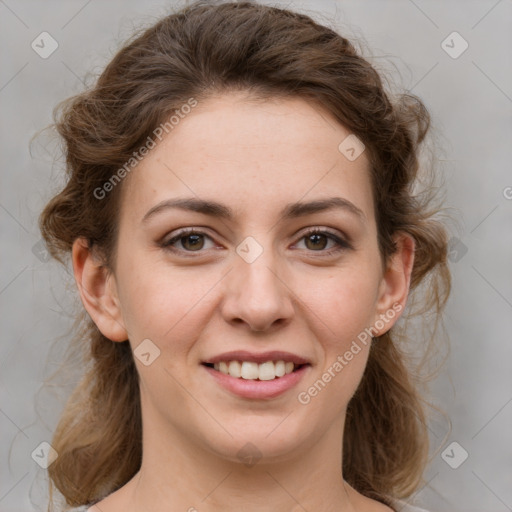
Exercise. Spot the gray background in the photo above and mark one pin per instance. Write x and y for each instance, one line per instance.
(470, 98)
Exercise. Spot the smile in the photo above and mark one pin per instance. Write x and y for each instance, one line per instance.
(257, 376)
(249, 370)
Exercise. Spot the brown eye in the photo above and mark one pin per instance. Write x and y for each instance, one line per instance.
(192, 242)
(188, 241)
(316, 241)
(324, 242)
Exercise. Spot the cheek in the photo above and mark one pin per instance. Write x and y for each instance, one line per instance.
(344, 305)
(348, 314)
(164, 306)
(344, 300)
(343, 311)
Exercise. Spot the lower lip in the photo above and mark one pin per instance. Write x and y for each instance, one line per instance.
(258, 389)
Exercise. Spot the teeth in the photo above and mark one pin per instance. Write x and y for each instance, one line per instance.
(266, 371)
(249, 370)
(280, 368)
(235, 369)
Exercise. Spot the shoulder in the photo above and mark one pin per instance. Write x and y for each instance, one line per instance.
(85, 508)
(402, 506)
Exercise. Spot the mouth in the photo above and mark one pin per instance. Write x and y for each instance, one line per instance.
(257, 376)
(250, 370)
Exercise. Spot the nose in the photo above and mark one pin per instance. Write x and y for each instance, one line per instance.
(256, 295)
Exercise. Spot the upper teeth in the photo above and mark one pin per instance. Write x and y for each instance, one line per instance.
(252, 371)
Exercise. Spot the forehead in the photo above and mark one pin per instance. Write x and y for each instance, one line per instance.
(251, 153)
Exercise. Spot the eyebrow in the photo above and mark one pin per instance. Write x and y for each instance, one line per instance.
(221, 211)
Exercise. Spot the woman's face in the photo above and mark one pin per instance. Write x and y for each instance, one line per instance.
(250, 284)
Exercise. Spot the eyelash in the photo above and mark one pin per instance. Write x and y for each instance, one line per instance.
(341, 245)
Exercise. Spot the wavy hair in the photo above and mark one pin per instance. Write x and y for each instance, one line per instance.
(199, 51)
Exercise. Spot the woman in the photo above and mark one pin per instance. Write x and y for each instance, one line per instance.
(240, 217)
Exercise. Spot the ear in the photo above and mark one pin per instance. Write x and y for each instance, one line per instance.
(394, 287)
(98, 291)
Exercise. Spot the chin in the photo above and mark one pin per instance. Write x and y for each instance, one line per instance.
(260, 439)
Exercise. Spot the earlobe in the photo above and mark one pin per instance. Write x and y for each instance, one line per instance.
(396, 281)
(98, 292)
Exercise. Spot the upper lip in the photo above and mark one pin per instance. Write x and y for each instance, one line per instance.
(262, 357)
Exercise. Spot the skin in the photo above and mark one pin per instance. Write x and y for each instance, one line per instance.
(254, 157)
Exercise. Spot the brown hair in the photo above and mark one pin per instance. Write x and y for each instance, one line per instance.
(197, 52)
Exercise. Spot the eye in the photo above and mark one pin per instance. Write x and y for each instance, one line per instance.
(191, 240)
(317, 240)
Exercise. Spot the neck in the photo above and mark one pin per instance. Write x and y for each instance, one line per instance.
(177, 474)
